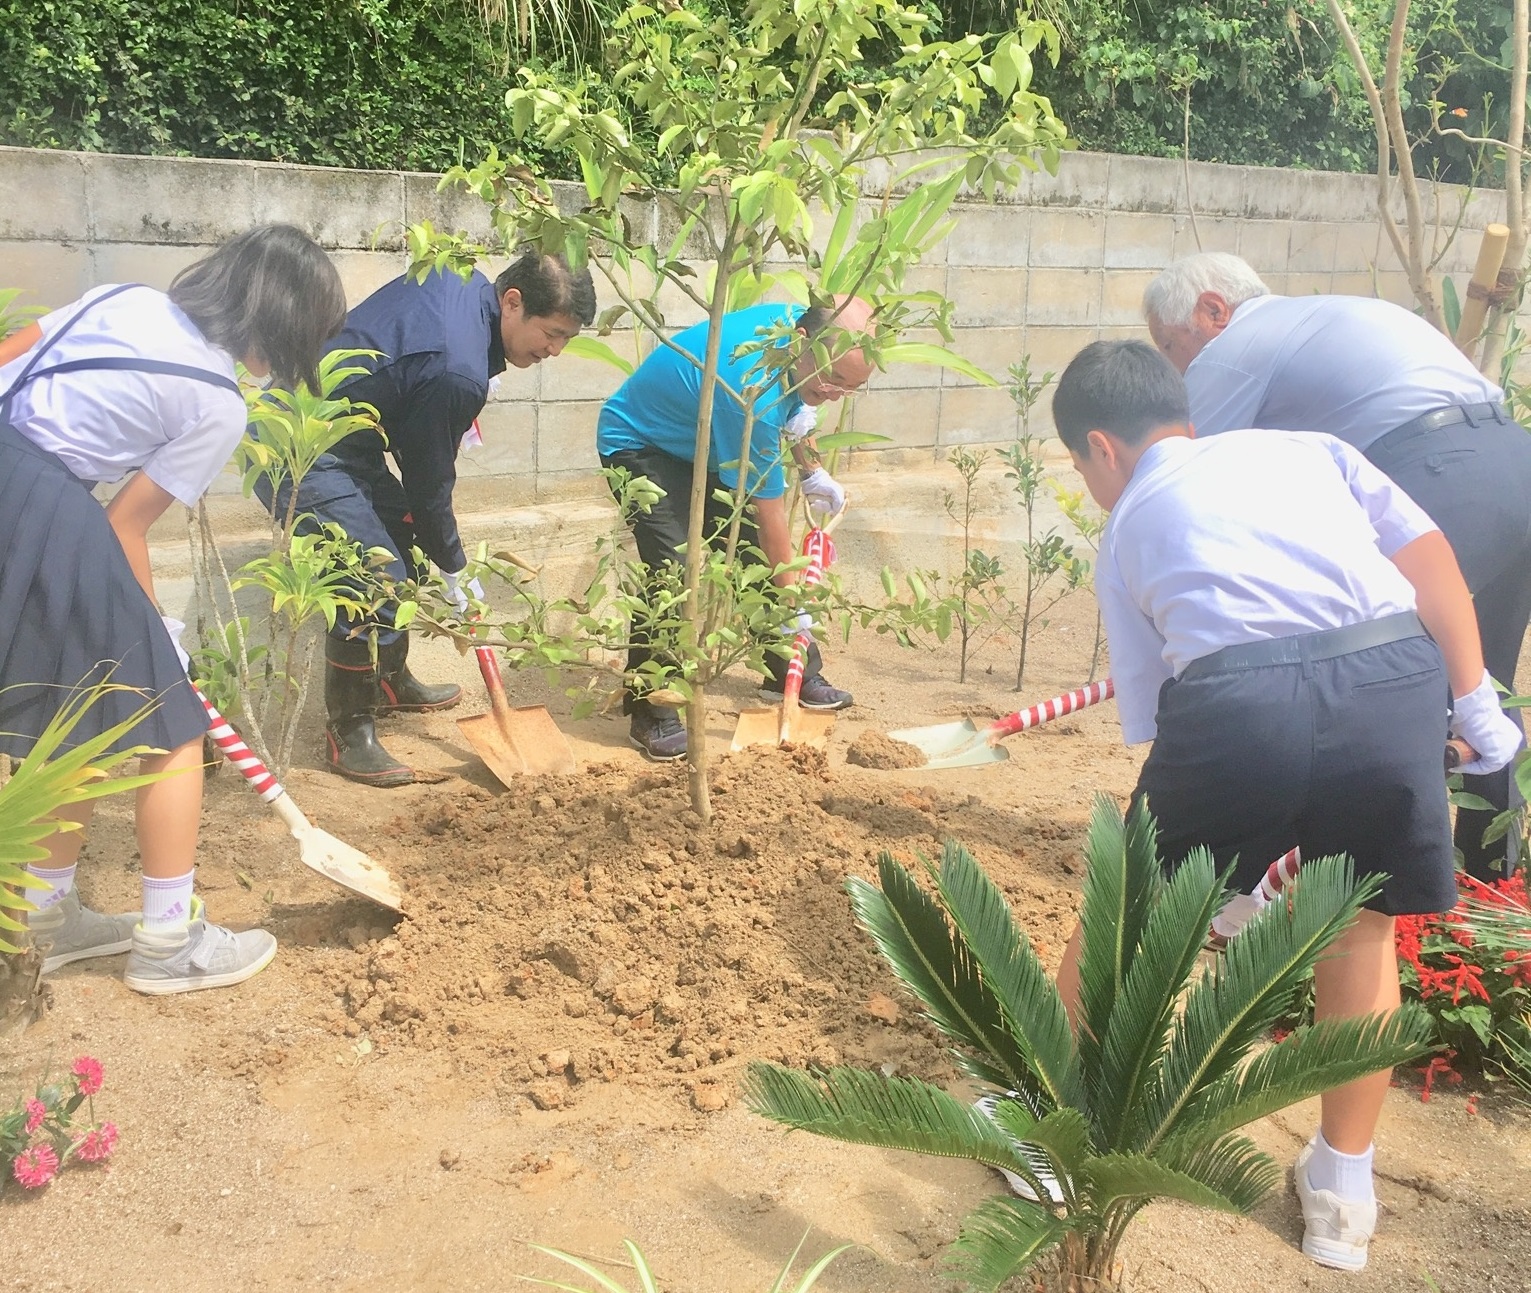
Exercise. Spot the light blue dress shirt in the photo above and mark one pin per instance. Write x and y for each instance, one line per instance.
(1241, 538)
(1352, 366)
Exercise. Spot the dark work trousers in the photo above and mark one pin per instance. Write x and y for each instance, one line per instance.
(352, 487)
(1475, 483)
(660, 533)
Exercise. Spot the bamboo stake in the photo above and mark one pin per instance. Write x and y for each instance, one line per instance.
(1491, 251)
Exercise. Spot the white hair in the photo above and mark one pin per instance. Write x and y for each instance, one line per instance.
(1171, 298)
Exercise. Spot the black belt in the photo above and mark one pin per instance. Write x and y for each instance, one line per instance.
(1454, 415)
(1308, 646)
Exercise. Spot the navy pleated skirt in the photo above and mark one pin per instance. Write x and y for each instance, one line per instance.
(72, 614)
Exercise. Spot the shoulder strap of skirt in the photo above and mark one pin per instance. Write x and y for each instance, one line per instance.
(28, 373)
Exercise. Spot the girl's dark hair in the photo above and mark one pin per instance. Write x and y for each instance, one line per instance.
(270, 292)
(548, 286)
(1125, 387)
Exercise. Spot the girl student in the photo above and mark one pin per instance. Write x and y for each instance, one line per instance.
(132, 382)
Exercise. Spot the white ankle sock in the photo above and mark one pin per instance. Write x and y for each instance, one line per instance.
(167, 903)
(1347, 1175)
(62, 881)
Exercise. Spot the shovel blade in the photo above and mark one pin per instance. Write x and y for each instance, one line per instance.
(952, 745)
(529, 743)
(338, 861)
(763, 727)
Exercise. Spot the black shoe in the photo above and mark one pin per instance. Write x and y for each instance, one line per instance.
(658, 732)
(402, 692)
(816, 693)
(351, 695)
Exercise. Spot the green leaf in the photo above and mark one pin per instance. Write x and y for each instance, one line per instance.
(591, 348)
(1000, 1239)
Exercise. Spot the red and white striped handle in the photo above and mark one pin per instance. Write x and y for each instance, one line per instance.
(238, 753)
(1242, 909)
(819, 548)
(1057, 707)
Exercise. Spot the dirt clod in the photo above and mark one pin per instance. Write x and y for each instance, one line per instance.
(873, 749)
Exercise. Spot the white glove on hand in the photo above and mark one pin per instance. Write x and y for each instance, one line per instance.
(802, 622)
(1478, 719)
(824, 493)
(458, 592)
(175, 628)
(802, 423)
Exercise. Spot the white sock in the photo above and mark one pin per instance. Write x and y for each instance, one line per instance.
(62, 881)
(167, 903)
(1347, 1175)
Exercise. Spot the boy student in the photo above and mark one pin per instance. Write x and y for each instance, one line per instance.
(1284, 623)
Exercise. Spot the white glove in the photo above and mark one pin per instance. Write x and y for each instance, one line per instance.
(824, 493)
(458, 592)
(802, 622)
(1478, 719)
(802, 423)
(175, 628)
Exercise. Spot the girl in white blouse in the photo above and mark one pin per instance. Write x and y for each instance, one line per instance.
(129, 381)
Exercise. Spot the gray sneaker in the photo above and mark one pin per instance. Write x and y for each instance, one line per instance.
(200, 956)
(68, 931)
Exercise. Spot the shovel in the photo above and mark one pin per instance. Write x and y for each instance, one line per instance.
(320, 851)
(769, 725)
(514, 742)
(965, 745)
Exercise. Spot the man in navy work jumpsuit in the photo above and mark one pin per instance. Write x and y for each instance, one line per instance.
(1387, 383)
(440, 342)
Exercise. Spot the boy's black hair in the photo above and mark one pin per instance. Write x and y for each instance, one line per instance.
(1125, 387)
(548, 286)
(270, 292)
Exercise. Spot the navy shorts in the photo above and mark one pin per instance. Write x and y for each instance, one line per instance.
(1337, 755)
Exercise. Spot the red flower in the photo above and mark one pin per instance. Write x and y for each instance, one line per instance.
(35, 1167)
(36, 1112)
(88, 1074)
(96, 1145)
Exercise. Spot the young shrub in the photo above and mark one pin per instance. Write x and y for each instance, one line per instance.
(1145, 1102)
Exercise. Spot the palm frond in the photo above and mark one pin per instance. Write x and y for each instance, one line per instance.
(1000, 1238)
(1138, 1029)
(1230, 1165)
(1062, 1135)
(913, 935)
(1227, 1011)
(864, 1108)
(1122, 883)
(1310, 1060)
(1027, 998)
(1230, 1176)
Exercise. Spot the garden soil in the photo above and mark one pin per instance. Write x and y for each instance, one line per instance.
(547, 1046)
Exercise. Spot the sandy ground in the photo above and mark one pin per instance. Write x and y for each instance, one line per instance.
(546, 1049)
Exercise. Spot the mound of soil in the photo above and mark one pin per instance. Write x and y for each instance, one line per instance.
(589, 928)
(873, 749)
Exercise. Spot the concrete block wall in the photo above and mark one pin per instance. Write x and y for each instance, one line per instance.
(1058, 264)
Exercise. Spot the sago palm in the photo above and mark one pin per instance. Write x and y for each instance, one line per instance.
(1144, 1103)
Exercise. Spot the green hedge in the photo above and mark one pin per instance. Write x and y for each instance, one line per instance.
(369, 83)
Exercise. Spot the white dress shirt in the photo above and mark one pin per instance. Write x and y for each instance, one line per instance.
(1349, 365)
(102, 424)
(1240, 538)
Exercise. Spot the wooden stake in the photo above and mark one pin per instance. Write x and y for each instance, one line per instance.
(1485, 278)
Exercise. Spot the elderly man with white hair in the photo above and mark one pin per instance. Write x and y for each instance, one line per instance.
(1382, 379)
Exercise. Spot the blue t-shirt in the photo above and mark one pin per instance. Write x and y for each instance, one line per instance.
(656, 407)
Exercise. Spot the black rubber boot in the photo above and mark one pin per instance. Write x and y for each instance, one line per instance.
(403, 693)
(351, 695)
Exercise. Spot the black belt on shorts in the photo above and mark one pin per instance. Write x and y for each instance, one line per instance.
(1304, 647)
(1453, 415)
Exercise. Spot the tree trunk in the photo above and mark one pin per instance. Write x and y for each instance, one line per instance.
(23, 997)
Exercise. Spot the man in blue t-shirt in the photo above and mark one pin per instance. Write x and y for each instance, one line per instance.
(440, 343)
(649, 428)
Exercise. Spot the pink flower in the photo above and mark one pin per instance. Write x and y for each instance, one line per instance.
(35, 1167)
(36, 1112)
(88, 1074)
(96, 1145)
